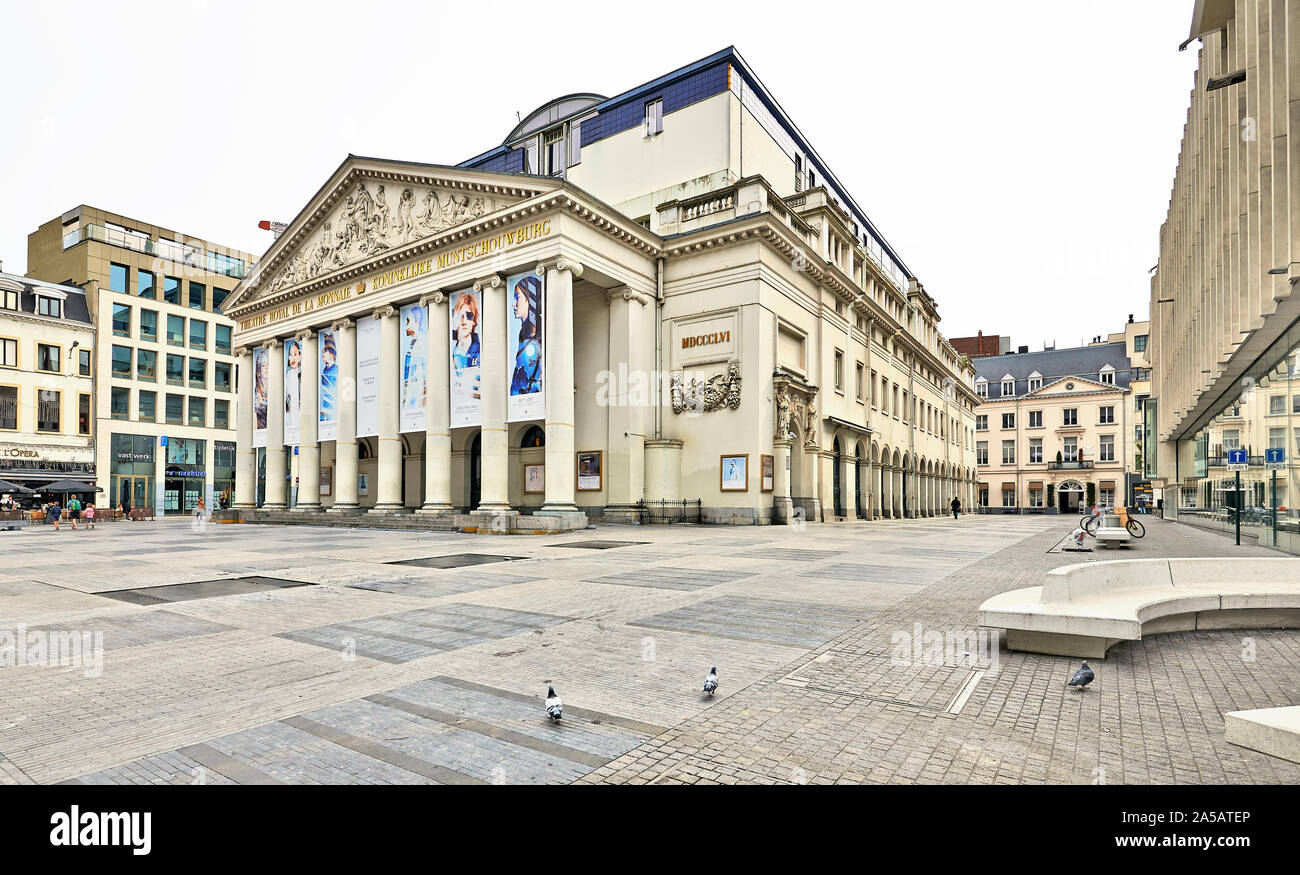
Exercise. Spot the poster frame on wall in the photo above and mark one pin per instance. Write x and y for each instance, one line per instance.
(466, 409)
(414, 358)
(526, 377)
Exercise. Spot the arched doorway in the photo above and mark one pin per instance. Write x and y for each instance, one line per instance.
(1069, 496)
(906, 487)
(837, 481)
(858, 502)
(475, 472)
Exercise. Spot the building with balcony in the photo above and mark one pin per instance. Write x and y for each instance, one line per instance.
(1225, 316)
(47, 381)
(657, 296)
(1055, 428)
(165, 389)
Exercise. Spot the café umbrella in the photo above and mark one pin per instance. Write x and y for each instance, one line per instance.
(70, 486)
(6, 486)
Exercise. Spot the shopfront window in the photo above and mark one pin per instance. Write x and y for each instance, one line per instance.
(185, 473)
(132, 471)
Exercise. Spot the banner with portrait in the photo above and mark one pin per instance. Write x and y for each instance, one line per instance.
(466, 317)
(329, 386)
(526, 293)
(414, 357)
(292, 391)
(367, 377)
(261, 392)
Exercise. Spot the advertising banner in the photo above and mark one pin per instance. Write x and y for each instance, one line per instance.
(525, 324)
(329, 387)
(292, 391)
(261, 388)
(466, 408)
(414, 341)
(367, 377)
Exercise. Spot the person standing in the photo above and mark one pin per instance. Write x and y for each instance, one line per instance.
(956, 507)
(56, 511)
(89, 516)
(74, 511)
(200, 511)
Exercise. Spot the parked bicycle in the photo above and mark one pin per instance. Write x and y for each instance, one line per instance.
(1135, 528)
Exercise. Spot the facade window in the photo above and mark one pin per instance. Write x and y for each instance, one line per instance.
(1035, 383)
(221, 376)
(198, 296)
(198, 373)
(198, 334)
(83, 414)
(982, 453)
(981, 422)
(1295, 403)
(1008, 420)
(175, 370)
(144, 284)
(1008, 388)
(9, 408)
(1008, 452)
(51, 307)
(218, 298)
(8, 299)
(48, 358)
(982, 388)
(1231, 439)
(175, 409)
(148, 403)
(1108, 376)
(220, 413)
(857, 381)
(198, 409)
(1277, 405)
(122, 362)
(171, 290)
(1140, 343)
(49, 404)
(1035, 498)
(1107, 414)
(119, 278)
(122, 320)
(176, 330)
(1105, 497)
(1008, 496)
(146, 365)
(1035, 419)
(221, 339)
(120, 403)
(1140, 401)
(1106, 448)
(149, 325)
(553, 152)
(839, 371)
(1276, 438)
(654, 117)
(1071, 452)
(1035, 450)
(83, 362)
(8, 352)
(1070, 416)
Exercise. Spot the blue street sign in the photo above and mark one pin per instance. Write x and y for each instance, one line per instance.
(1237, 457)
(1275, 456)
(162, 441)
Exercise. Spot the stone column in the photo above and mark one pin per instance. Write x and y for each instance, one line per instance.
(245, 452)
(345, 443)
(625, 459)
(277, 467)
(309, 424)
(389, 496)
(561, 458)
(437, 410)
(494, 497)
(782, 505)
(848, 485)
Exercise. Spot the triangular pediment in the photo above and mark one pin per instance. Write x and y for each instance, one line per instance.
(371, 208)
(1074, 386)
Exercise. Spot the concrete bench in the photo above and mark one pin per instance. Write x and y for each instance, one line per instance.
(1084, 610)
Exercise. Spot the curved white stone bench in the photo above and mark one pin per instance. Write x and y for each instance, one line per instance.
(1084, 610)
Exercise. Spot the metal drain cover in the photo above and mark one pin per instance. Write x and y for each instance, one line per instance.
(460, 560)
(202, 589)
(601, 545)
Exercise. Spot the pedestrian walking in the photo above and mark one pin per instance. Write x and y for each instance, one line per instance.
(74, 511)
(56, 511)
(956, 507)
(89, 515)
(200, 511)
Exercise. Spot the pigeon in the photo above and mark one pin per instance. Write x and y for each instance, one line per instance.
(711, 682)
(1082, 677)
(554, 709)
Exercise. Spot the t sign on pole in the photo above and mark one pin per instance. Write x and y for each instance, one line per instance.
(1238, 462)
(1274, 459)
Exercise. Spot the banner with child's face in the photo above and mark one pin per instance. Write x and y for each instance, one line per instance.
(329, 386)
(261, 394)
(292, 391)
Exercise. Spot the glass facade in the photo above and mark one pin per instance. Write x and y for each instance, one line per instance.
(185, 474)
(132, 471)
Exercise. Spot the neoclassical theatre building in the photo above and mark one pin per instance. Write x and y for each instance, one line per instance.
(632, 302)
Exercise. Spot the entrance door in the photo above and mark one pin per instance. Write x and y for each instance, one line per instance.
(475, 473)
(140, 493)
(835, 478)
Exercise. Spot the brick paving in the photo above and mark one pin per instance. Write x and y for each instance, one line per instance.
(419, 657)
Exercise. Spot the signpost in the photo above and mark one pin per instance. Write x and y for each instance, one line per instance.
(1274, 459)
(1238, 461)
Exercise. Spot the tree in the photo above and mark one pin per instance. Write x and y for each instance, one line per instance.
(1051, 493)
(1092, 493)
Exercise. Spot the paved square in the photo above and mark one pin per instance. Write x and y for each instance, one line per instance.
(396, 657)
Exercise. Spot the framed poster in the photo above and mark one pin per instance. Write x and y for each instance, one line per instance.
(466, 409)
(768, 473)
(591, 471)
(415, 366)
(292, 391)
(363, 484)
(326, 480)
(535, 478)
(733, 473)
(524, 332)
(329, 387)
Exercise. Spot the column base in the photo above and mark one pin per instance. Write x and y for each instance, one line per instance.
(782, 510)
(314, 508)
(437, 510)
(389, 509)
(614, 513)
(243, 505)
(275, 505)
(557, 509)
(343, 508)
(495, 521)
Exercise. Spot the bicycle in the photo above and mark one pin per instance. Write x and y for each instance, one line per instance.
(1135, 528)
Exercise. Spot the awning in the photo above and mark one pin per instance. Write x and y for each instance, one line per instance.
(1106, 484)
(1035, 484)
(1008, 487)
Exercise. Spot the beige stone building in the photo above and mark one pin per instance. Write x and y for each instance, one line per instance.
(1225, 317)
(633, 301)
(164, 400)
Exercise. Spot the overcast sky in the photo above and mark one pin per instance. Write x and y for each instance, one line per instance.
(1017, 155)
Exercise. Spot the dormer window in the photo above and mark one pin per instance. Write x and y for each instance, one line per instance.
(1035, 381)
(982, 387)
(49, 306)
(1108, 375)
(1008, 386)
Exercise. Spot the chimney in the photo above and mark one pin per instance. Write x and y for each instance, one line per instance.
(1130, 318)
(1023, 349)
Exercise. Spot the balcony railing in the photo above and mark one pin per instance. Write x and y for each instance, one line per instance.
(1069, 466)
(1220, 461)
(181, 253)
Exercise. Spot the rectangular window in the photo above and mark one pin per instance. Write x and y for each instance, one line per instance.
(1108, 377)
(9, 408)
(1107, 415)
(1072, 449)
(8, 352)
(146, 365)
(83, 414)
(1035, 450)
(148, 403)
(149, 325)
(981, 422)
(654, 117)
(1105, 497)
(982, 390)
(1231, 439)
(83, 362)
(220, 414)
(176, 330)
(122, 320)
(8, 299)
(176, 370)
(1008, 496)
(1008, 420)
(221, 376)
(1035, 419)
(858, 381)
(171, 290)
(1106, 451)
(553, 152)
(47, 358)
(218, 298)
(198, 334)
(1276, 405)
(221, 339)
(175, 409)
(119, 278)
(49, 403)
(839, 371)
(1008, 452)
(1140, 343)
(198, 408)
(1035, 498)
(144, 281)
(120, 403)
(1070, 416)
(51, 307)
(198, 373)
(1035, 383)
(122, 362)
(982, 453)
(198, 296)
(1276, 438)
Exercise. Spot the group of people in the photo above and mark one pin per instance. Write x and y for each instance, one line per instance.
(74, 511)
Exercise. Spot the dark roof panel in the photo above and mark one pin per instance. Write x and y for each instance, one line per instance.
(1053, 365)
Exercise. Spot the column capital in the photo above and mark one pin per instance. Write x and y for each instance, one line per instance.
(438, 296)
(340, 324)
(241, 351)
(304, 334)
(627, 294)
(491, 281)
(562, 262)
(384, 312)
(272, 343)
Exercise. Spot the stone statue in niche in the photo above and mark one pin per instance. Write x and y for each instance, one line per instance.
(714, 393)
(783, 416)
